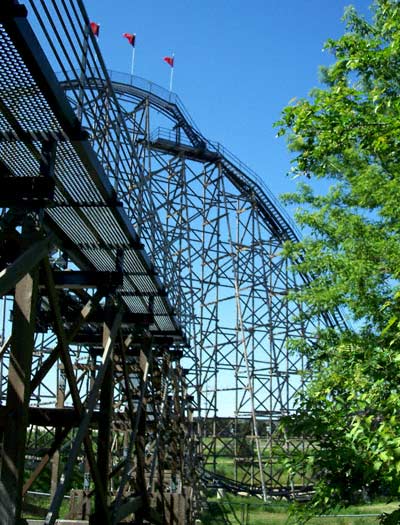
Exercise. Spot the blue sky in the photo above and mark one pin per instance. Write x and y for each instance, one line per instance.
(237, 63)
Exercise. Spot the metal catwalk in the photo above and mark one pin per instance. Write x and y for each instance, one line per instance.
(145, 313)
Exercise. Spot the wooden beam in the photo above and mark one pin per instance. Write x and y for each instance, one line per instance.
(26, 192)
(22, 345)
(106, 409)
(130, 506)
(83, 428)
(86, 311)
(4, 347)
(46, 458)
(55, 461)
(62, 417)
(135, 417)
(85, 414)
(11, 275)
(76, 280)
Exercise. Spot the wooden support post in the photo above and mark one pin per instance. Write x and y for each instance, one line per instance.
(46, 458)
(104, 430)
(137, 424)
(22, 344)
(69, 373)
(55, 462)
(82, 434)
(87, 493)
(84, 315)
(141, 486)
(10, 276)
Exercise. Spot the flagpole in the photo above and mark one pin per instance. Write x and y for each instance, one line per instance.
(171, 76)
(133, 60)
(131, 37)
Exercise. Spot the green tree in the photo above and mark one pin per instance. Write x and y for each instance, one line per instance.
(346, 135)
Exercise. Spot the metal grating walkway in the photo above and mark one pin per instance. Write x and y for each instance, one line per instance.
(85, 213)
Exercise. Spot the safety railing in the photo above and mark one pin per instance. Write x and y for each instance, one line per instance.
(247, 175)
(255, 180)
(170, 136)
(154, 89)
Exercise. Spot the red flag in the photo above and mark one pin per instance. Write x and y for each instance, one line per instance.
(95, 28)
(169, 60)
(130, 37)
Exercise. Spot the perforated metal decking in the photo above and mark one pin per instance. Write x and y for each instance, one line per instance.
(79, 362)
(85, 213)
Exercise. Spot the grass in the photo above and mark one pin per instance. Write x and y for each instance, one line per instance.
(238, 468)
(251, 511)
(37, 507)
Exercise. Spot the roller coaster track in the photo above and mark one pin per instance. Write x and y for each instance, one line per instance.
(145, 307)
(199, 147)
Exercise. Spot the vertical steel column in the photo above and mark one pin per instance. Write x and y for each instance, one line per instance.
(22, 345)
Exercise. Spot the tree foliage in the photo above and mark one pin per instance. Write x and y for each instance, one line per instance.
(345, 138)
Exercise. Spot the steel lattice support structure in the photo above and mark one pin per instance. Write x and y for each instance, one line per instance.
(145, 309)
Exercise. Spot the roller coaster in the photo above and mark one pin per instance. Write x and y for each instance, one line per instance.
(146, 311)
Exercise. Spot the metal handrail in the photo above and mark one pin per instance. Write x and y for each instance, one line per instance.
(250, 176)
(154, 89)
(255, 180)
